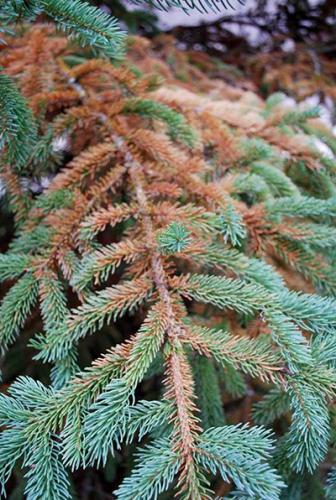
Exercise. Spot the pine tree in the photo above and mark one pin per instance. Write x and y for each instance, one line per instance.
(195, 234)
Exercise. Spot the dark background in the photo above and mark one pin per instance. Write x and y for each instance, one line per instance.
(269, 21)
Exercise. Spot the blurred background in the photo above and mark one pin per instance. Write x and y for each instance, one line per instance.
(276, 45)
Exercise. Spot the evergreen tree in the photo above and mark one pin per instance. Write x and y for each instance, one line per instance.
(194, 233)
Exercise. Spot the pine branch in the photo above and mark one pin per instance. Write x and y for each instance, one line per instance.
(39, 451)
(310, 420)
(238, 454)
(178, 378)
(146, 345)
(178, 128)
(309, 311)
(46, 472)
(203, 7)
(54, 311)
(12, 443)
(154, 472)
(13, 266)
(87, 25)
(273, 405)
(301, 206)
(294, 347)
(246, 268)
(253, 357)
(174, 239)
(225, 293)
(19, 10)
(139, 223)
(18, 127)
(146, 416)
(317, 236)
(99, 308)
(231, 226)
(330, 489)
(102, 263)
(209, 394)
(15, 309)
(105, 424)
(277, 181)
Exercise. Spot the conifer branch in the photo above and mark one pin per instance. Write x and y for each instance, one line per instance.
(240, 458)
(18, 127)
(15, 309)
(178, 382)
(202, 267)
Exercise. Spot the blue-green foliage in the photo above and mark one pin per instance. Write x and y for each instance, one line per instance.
(40, 451)
(178, 128)
(18, 127)
(330, 489)
(230, 224)
(175, 238)
(197, 283)
(238, 453)
(155, 469)
(209, 393)
(15, 309)
(86, 24)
